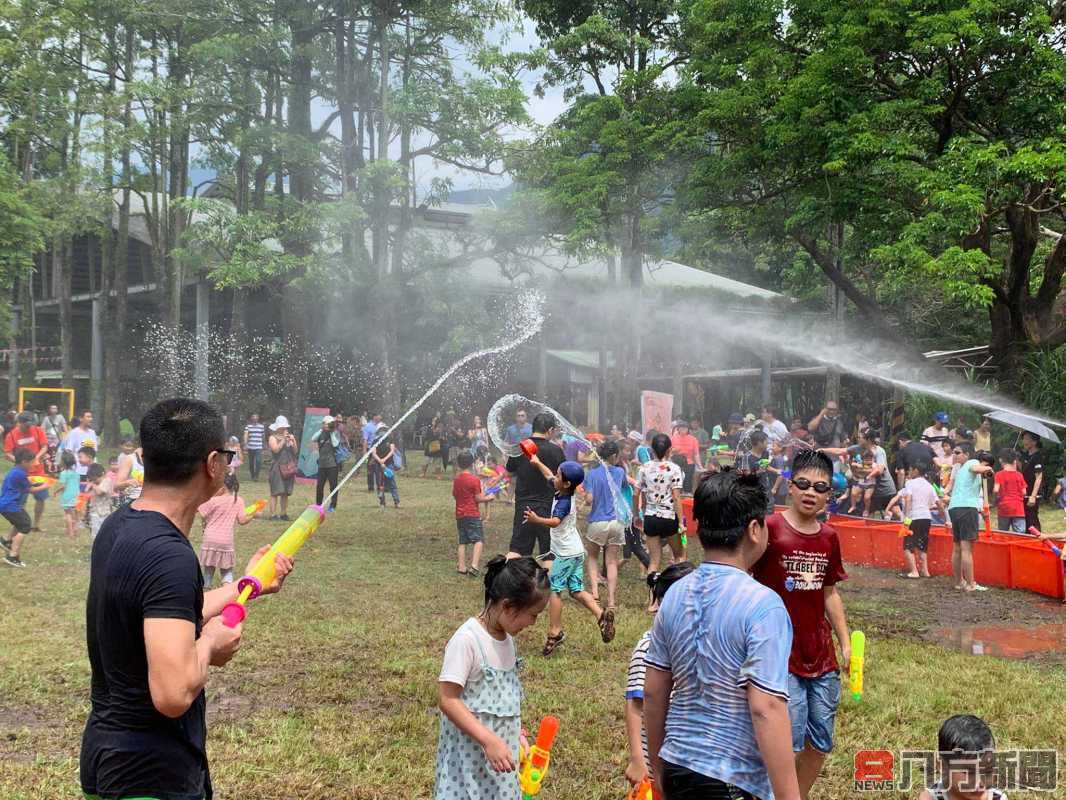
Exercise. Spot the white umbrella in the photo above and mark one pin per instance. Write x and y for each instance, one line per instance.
(1024, 423)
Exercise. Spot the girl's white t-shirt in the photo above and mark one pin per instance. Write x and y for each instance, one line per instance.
(923, 497)
(462, 658)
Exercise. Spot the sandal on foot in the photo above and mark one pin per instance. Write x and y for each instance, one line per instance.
(606, 623)
(909, 577)
(473, 572)
(553, 642)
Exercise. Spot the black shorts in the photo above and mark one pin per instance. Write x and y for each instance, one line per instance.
(680, 783)
(918, 538)
(965, 524)
(879, 503)
(19, 520)
(525, 535)
(661, 527)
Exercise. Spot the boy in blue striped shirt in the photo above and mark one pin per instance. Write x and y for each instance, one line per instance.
(716, 688)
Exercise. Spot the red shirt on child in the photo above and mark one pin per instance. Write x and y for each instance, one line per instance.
(798, 566)
(1012, 488)
(465, 488)
(687, 445)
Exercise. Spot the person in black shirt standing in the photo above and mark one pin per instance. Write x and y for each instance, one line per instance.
(152, 631)
(1032, 467)
(533, 491)
(912, 454)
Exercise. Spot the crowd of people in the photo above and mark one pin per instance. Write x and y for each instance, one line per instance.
(732, 692)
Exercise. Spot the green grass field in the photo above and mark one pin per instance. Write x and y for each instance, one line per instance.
(333, 693)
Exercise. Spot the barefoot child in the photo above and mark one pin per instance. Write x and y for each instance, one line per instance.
(967, 761)
(916, 502)
(466, 489)
(222, 513)
(480, 695)
(69, 487)
(637, 769)
(568, 567)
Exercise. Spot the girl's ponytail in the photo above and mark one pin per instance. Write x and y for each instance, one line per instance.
(517, 581)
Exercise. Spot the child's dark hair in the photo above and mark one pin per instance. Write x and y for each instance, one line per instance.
(1008, 456)
(464, 460)
(607, 450)
(757, 438)
(964, 737)
(67, 460)
(965, 447)
(89, 451)
(985, 458)
(22, 455)
(519, 582)
(660, 582)
(95, 471)
(812, 459)
(232, 484)
(724, 504)
(660, 445)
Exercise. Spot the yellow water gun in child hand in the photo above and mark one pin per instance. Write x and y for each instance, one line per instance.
(533, 762)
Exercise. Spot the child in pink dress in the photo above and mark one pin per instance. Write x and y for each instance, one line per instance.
(221, 515)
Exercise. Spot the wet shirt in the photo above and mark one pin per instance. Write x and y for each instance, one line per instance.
(966, 490)
(799, 567)
(530, 485)
(142, 568)
(923, 498)
(565, 540)
(717, 633)
(603, 499)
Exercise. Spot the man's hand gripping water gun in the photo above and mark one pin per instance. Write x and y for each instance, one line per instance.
(533, 761)
(264, 577)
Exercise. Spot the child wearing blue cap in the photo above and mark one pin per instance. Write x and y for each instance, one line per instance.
(568, 567)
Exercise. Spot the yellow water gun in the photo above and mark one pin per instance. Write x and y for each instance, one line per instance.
(533, 763)
(858, 659)
(263, 573)
(254, 508)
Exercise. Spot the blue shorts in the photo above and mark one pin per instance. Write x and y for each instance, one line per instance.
(567, 575)
(812, 708)
(470, 530)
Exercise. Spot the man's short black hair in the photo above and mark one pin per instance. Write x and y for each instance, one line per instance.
(812, 459)
(544, 422)
(724, 504)
(176, 436)
(464, 460)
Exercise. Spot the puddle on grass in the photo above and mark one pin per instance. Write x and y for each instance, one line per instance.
(1004, 641)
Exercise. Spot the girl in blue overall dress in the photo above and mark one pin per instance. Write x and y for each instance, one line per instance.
(480, 693)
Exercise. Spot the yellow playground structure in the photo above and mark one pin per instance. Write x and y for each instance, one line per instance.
(24, 390)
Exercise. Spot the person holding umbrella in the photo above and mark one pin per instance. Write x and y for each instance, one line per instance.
(1031, 463)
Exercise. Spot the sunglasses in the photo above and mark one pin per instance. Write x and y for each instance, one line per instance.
(819, 486)
(230, 454)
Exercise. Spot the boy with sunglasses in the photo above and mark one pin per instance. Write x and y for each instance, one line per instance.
(802, 563)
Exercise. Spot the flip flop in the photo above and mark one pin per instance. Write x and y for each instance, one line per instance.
(553, 643)
(909, 577)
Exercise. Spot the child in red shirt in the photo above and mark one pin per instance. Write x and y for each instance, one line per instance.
(802, 563)
(1010, 494)
(466, 489)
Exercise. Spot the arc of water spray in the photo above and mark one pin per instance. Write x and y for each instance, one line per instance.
(530, 320)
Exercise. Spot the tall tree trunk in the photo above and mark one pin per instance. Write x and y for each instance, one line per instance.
(107, 238)
(115, 356)
(179, 181)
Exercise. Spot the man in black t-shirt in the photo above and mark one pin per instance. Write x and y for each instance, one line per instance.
(912, 454)
(533, 491)
(1032, 469)
(152, 631)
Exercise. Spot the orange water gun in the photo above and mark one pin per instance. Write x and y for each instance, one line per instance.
(83, 500)
(533, 763)
(254, 508)
(645, 790)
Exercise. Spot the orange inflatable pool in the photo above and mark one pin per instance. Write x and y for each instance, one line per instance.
(1000, 559)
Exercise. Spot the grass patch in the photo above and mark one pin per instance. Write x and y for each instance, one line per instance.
(333, 694)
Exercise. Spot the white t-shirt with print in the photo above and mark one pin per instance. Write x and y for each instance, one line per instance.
(462, 658)
(657, 481)
(565, 538)
(76, 440)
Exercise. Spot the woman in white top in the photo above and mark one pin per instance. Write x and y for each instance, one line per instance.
(658, 502)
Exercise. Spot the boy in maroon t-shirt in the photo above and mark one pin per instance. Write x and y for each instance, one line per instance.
(802, 564)
(466, 489)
